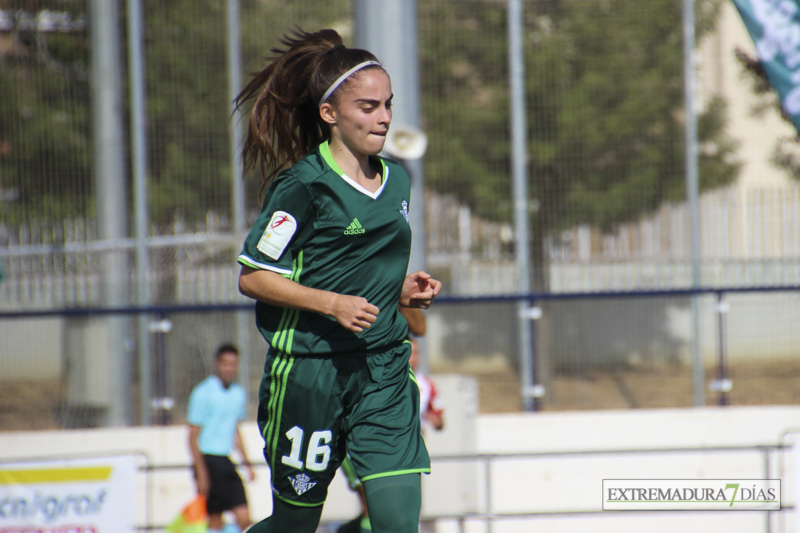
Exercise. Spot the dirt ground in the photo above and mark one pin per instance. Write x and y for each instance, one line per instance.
(42, 405)
(773, 383)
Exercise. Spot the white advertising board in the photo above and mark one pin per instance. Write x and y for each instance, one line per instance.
(68, 496)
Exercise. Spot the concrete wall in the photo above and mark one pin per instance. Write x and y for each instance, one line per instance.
(565, 490)
(32, 349)
(162, 492)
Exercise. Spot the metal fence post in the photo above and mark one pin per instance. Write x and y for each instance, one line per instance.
(109, 174)
(692, 192)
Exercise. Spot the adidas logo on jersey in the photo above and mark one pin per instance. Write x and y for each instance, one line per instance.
(355, 228)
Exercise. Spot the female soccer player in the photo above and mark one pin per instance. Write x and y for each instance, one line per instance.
(326, 262)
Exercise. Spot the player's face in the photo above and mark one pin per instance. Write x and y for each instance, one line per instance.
(363, 111)
(226, 367)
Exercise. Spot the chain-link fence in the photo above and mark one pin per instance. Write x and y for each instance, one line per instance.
(606, 174)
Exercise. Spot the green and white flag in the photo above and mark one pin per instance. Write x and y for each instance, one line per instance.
(774, 26)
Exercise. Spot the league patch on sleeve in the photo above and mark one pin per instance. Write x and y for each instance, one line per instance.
(276, 237)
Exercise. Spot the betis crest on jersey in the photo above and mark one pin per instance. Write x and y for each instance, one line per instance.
(404, 211)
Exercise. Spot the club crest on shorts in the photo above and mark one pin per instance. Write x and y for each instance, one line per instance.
(301, 483)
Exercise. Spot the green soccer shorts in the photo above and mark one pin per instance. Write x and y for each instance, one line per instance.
(315, 410)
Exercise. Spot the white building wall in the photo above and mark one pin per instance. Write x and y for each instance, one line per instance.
(720, 74)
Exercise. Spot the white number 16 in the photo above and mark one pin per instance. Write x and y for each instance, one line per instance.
(318, 455)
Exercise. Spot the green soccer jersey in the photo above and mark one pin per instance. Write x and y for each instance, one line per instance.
(321, 229)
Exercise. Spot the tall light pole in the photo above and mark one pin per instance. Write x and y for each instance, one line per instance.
(692, 193)
(108, 358)
(140, 204)
(388, 29)
(519, 176)
(243, 318)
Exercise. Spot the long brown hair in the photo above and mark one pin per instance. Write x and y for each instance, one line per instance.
(284, 122)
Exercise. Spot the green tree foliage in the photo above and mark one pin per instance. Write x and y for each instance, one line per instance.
(604, 83)
(188, 101)
(615, 145)
(463, 56)
(44, 119)
(186, 94)
(46, 140)
(604, 95)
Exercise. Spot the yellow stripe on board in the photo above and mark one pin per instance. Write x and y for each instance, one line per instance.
(55, 475)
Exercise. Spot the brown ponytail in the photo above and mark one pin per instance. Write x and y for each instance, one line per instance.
(285, 124)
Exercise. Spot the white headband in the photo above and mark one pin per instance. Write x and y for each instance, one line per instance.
(343, 77)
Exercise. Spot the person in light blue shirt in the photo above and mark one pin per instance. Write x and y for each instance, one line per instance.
(216, 406)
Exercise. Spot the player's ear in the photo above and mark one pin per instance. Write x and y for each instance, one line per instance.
(327, 113)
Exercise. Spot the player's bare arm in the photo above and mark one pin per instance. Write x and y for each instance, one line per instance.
(352, 312)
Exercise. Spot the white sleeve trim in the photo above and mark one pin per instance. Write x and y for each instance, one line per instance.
(263, 266)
